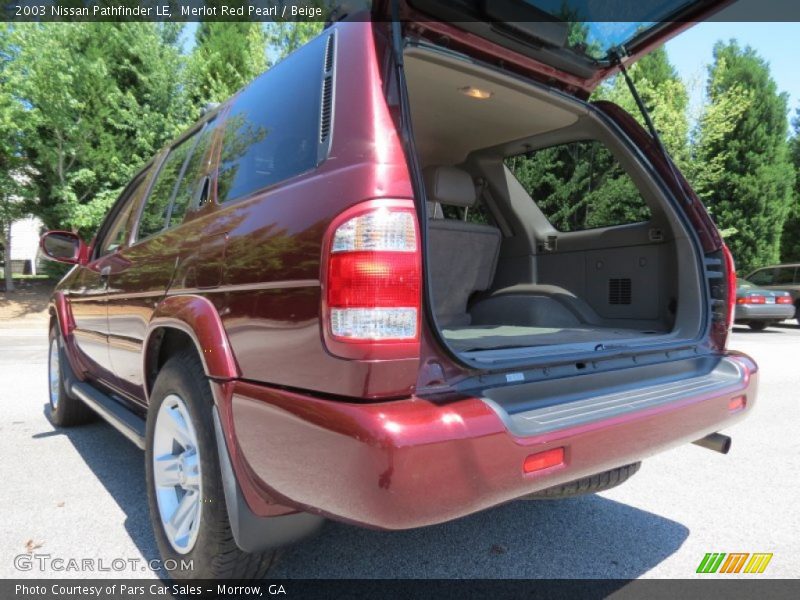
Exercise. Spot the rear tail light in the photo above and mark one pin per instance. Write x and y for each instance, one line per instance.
(730, 274)
(372, 281)
(751, 299)
(783, 300)
(722, 282)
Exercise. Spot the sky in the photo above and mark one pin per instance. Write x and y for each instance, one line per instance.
(777, 43)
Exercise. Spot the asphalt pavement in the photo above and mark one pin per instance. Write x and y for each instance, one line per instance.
(79, 494)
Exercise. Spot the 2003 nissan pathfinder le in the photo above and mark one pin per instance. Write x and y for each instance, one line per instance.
(393, 283)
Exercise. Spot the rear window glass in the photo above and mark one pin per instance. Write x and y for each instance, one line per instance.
(785, 276)
(579, 185)
(273, 130)
(763, 277)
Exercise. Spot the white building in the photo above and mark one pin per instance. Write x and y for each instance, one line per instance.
(25, 244)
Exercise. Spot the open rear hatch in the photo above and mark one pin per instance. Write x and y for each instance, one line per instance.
(571, 44)
(550, 233)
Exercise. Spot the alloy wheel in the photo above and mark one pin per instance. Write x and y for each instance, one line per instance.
(176, 474)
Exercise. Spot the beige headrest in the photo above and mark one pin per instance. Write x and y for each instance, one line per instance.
(450, 186)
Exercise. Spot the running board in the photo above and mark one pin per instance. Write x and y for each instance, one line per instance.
(120, 418)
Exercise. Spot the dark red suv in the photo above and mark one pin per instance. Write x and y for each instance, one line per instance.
(407, 274)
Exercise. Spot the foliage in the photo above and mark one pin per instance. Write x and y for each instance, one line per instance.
(100, 99)
(665, 97)
(743, 171)
(790, 241)
(284, 37)
(579, 186)
(226, 57)
(13, 201)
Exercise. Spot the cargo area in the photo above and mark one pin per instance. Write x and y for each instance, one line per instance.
(547, 231)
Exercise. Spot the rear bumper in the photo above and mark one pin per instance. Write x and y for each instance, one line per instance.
(415, 462)
(763, 312)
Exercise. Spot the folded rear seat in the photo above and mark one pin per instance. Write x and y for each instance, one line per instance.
(462, 256)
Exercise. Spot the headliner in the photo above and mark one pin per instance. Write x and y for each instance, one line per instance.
(448, 125)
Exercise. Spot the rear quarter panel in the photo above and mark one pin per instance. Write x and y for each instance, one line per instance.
(270, 292)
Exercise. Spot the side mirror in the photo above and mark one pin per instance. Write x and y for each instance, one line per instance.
(64, 247)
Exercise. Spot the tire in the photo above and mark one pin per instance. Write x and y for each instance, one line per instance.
(204, 538)
(758, 325)
(588, 485)
(65, 409)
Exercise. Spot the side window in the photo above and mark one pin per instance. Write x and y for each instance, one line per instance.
(579, 186)
(273, 130)
(156, 209)
(763, 277)
(191, 180)
(785, 276)
(117, 233)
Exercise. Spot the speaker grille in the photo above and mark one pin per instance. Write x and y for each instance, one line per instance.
(619, 291)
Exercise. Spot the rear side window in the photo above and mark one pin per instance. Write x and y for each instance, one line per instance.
(579, 186)
(273, 130)
(763, 277)
(785, 276)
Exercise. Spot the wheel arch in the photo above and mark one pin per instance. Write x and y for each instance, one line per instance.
(61, 314)
(187, 321)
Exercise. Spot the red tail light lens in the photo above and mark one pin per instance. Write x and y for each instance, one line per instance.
(783, 300)
(722, 288)
(730, 272)
(751, 299)
(372, 281)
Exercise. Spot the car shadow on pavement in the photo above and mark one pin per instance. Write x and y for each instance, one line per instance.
(586, 537)
(589, 537)
(121, 472)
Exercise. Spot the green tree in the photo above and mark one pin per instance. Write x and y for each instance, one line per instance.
(100, 99)
(13, 203)
(286, 37)
(665, 97)
(226, 57)
(744, 174)
(790, 240)
(581, 185)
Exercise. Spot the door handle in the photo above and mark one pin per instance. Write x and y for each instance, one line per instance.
(202, 192)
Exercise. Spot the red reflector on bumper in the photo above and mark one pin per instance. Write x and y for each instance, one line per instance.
(543, 460)
(737, 403)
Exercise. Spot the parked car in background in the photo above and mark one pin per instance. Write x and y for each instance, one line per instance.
(759, 308)
(289, 311)
(779, 277)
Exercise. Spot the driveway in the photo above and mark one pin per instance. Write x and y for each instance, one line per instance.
(79, 493)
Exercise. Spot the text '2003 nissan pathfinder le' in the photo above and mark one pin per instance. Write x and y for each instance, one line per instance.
(393, 283)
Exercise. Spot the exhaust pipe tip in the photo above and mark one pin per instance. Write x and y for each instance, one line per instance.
(716, 442)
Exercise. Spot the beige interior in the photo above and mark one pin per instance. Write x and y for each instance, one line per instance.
(497, 285)
(449, 124)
